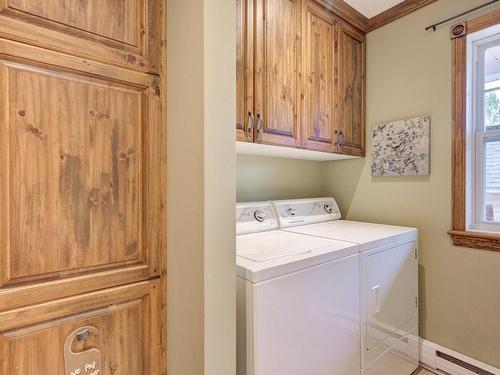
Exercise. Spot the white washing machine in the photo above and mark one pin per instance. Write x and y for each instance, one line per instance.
(297, 299)
(388, 280)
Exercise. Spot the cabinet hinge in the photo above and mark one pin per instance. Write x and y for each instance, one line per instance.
(416, 302)
(416, 253)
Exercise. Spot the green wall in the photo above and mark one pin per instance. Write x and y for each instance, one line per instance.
(262, 178)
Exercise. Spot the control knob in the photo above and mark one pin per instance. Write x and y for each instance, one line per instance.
(259, 216)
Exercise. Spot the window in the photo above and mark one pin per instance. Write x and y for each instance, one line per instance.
(476, 133)
(483, 69)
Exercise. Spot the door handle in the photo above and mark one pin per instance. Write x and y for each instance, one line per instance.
(251, 120)
(260, 125)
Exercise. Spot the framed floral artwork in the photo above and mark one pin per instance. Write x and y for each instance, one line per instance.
(401, 148)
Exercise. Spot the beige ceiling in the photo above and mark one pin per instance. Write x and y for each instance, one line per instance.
(371, 8)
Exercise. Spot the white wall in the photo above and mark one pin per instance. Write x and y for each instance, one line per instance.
(201, 52)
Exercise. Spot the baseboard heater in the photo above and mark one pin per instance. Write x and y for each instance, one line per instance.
(445, 361)
(466, 366)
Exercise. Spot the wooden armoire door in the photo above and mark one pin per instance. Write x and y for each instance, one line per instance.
(351, 126)
(82, 185)
(319, 78)
(278, 26)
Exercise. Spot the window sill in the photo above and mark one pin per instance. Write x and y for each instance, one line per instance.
(475, 240)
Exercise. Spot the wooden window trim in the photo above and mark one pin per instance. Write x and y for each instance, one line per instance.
(459, 233)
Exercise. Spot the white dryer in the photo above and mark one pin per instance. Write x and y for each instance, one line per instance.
(297, 299)
(388, 280)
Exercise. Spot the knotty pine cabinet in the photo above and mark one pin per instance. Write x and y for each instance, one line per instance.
(82, 185)
(300, 77)
(122, 323)
(126, 33)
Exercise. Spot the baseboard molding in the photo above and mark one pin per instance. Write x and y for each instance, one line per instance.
(446, 361)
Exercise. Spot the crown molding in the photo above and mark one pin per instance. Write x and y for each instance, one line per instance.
(343, 10)
(396, 12)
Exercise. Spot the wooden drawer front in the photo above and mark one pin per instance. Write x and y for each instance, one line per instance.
(128, 332)
(79, 187)
(124, 32)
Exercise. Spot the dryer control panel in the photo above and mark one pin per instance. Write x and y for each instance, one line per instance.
(255, 217)
(306, 211)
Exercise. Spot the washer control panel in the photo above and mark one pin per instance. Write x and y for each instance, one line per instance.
(306, 211)
(255, 217)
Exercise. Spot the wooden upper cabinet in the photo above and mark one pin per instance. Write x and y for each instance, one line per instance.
(319, 79)
(277, 71)
(116, 31)
(123, 324)
(351, 123)
(300, 77)
(245, 117)
(79, 148)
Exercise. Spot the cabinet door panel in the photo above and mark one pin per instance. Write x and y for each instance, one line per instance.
(125, 324)
(277, 71)
(352, 91)
(123, 32)
(244, 71)
(79, 194)
(319, 79)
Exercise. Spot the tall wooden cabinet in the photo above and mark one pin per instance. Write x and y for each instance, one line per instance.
(82, 186)
(300, 77)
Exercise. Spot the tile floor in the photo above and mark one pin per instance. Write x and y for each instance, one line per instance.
(422, 371)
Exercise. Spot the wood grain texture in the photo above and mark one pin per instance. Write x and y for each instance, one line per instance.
(83, 183)
(80, 149)
(396, 12)
(475, 240)
(118, 20)
(459, 233)
(351, 123)
(307, 67)
(127, 319)
(245, 116)
(346, 12)
(120, 32)
(277, 71)
(319, 79)
(483, 22)
(459, 118)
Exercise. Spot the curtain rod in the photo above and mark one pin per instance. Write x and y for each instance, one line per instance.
(433, 27)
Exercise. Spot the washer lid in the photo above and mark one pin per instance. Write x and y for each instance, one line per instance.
(367, 235)
(262, 256)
